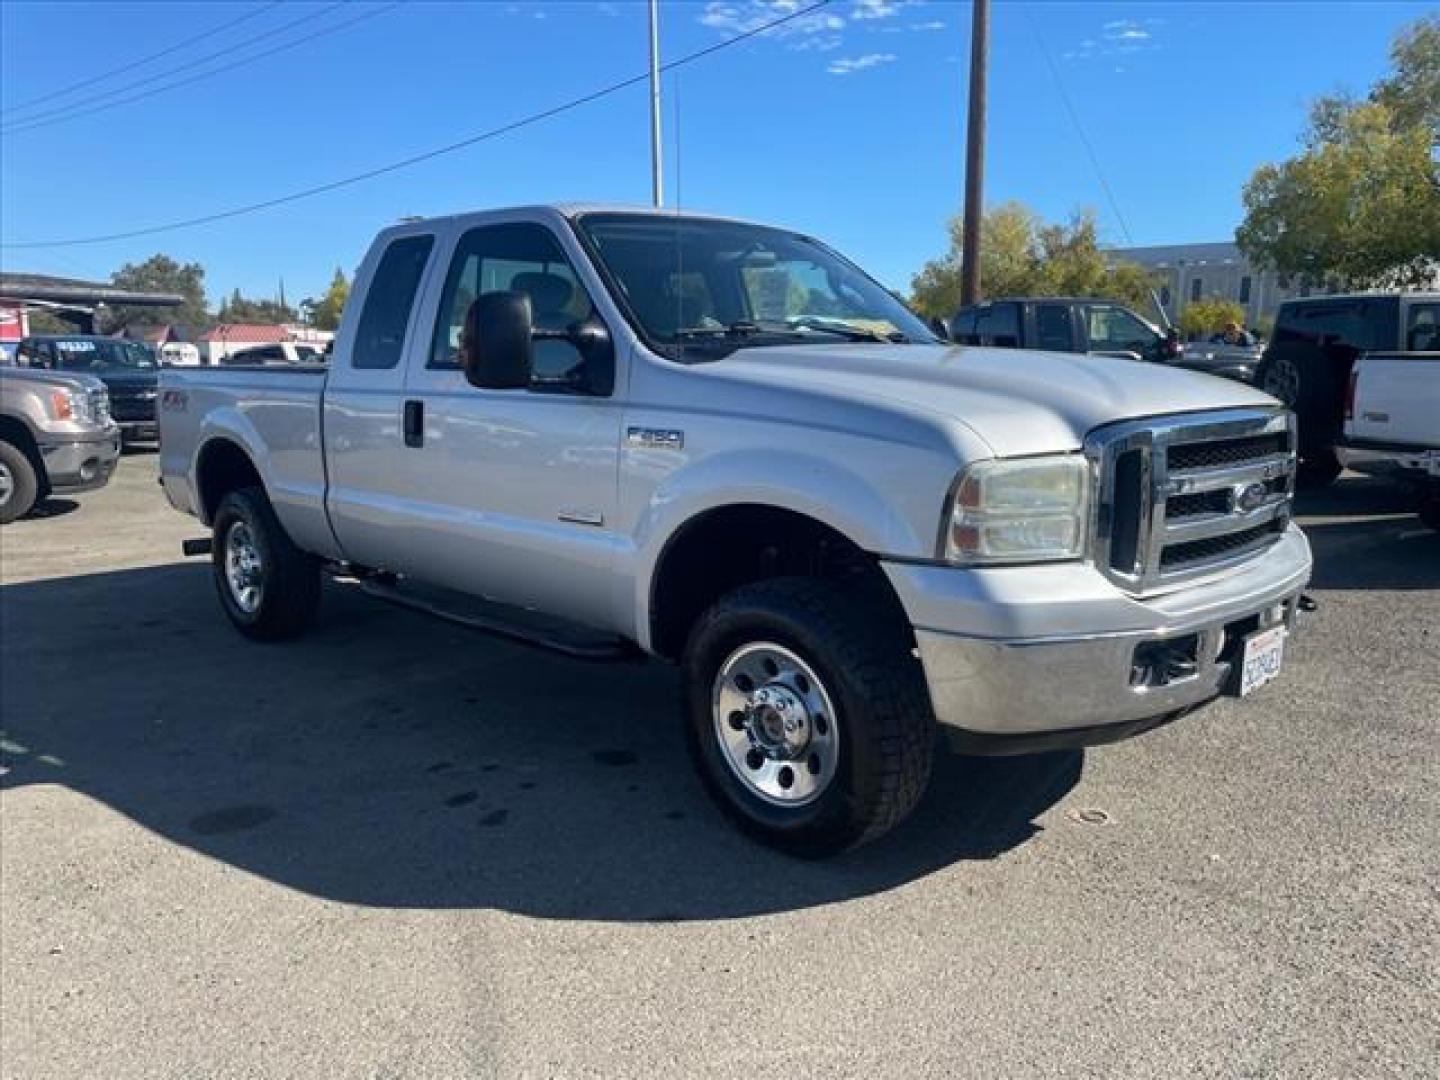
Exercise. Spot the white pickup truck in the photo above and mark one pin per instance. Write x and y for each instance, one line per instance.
(1392, 420)
(619, 432)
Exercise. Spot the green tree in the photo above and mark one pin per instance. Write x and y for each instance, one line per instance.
(1201, 318)
(161, 273)
(1361, 203)
(240, 309)
(1021, 255)
(325, 312)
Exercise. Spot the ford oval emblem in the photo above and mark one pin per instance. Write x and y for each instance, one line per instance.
(1248, 497)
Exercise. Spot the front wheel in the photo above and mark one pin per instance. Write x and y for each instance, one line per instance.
(19, 487)
(268, 587)
(808, 716)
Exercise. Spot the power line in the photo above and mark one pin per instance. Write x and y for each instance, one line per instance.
(1079, 128)
(484, 136)
(142, 61)
(72, 111)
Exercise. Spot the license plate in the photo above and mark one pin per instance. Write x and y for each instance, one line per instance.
(1261, 661)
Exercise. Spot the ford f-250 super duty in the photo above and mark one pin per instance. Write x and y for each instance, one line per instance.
(722, 444)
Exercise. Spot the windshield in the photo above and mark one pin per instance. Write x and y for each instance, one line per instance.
(693, 285)
(84, 354)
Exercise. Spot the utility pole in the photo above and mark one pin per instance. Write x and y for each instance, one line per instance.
(657, 172)
(975, 154)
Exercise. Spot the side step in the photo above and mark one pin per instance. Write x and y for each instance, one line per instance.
(503, 620)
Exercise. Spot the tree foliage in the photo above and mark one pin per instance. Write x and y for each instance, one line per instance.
(1361, 204)
(161, 273)
(240, 309)
(1021, 255)
(325, 313)
(1201, 318)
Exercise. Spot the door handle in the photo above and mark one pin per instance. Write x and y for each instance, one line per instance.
(414, 423)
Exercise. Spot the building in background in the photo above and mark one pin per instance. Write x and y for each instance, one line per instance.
(1191, 272)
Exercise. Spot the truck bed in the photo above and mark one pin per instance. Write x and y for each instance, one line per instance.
(1396, 401)
(276, 411)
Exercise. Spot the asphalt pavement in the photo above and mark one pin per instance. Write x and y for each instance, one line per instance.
(398, 848)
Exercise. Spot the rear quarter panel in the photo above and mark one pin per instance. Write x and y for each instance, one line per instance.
(273, 414)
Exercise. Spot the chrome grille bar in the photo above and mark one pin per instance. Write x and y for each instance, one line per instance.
(1134, 542)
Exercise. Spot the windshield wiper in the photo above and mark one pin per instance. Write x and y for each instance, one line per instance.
(843, 329)
(801, 327)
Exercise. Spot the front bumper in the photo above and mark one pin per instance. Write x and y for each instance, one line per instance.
(1018, 663)
(140, 430)
(84, 464)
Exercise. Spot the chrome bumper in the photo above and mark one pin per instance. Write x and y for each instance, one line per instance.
(77, 465)
(1008, 694)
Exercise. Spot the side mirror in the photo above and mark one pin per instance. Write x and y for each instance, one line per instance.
(939, 328)
(496, 352)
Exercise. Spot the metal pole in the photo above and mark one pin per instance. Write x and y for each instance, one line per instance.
(657, 172)
(975, 155)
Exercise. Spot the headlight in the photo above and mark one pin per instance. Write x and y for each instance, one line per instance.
(1019, 510)
(69, 405)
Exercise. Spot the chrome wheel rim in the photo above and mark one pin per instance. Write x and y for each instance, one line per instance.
(1282, 381)
(244, 572)
(7, 483)
(775, 724)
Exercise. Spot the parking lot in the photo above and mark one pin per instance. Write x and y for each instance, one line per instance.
(397, 847)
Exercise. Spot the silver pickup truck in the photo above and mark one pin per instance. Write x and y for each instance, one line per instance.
(56, 437)
(625, 432)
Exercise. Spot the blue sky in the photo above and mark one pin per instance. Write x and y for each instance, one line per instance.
(847, 123)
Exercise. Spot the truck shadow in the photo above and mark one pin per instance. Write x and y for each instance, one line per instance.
(391, 760)
(1365, 535)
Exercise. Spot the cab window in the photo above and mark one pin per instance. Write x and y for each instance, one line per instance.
(1113, 329)
(380, 337)
(998, 325)
(1053, 329)
(520, 257)
(1422, 331)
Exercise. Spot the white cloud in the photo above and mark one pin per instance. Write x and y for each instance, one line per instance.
(817, 43)
(847, 65)
(1118, 37)
(732, 17)
(874, 9)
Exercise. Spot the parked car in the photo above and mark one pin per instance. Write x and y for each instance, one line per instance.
(128, 369)
(1392, 421)
(1315, 345)
(56, 437)
(282, 352)
(721, 444)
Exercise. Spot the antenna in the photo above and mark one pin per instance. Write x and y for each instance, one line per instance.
(657, 171)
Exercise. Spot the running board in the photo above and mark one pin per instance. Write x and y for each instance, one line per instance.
(503, 620)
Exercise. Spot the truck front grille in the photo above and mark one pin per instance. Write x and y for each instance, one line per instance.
(1185, 496)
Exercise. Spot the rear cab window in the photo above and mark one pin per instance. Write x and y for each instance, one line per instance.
(380, 335)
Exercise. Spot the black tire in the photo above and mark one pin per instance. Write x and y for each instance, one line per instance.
(883, 720)
(1311, 387)
(288, 591)
(1317, 468)
(1430, 506)
(22, 487)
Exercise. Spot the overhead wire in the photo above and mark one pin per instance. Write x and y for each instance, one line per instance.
(428, 155)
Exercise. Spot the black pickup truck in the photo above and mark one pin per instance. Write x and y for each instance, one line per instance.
(1090, 325)
(127, 368)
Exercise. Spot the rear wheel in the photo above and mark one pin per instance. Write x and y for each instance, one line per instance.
(268, 587)
(18, 485)
(808, 716)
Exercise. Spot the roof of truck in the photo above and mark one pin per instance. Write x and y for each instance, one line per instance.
(575, 209)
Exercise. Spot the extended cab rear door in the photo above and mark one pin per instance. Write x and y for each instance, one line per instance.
(368, 473)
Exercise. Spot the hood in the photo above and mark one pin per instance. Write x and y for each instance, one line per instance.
(71, 380)
(1017, 401)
